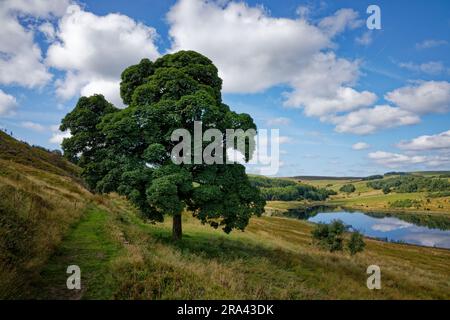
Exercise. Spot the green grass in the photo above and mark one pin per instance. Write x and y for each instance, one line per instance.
(383, 202)
(90, 246)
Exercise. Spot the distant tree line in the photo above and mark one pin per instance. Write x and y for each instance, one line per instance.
(396, 173)
(374, 177)
(288, 190)
(410, 183)
(265, 182)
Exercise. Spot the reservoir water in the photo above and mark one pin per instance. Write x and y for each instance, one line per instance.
(412, 230)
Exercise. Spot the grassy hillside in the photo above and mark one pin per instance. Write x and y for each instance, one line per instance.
(273, 259)
(40, 197)
(49, 221)
(36, 157)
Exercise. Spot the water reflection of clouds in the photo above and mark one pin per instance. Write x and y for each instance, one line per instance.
(390, 228)
(389, 224)
(431, 240)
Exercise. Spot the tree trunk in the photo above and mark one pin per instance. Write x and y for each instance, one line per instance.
(176, 228)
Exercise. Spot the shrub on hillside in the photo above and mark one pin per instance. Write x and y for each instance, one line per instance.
(405, 203)
(331, 237)
(356, 243)
(439, 194)
(348, 188)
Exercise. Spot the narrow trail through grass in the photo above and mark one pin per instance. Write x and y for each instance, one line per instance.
(90, 246)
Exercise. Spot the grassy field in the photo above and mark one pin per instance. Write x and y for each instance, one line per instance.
(382, 202)
(366, 198)
(49, 221)
(273, 259)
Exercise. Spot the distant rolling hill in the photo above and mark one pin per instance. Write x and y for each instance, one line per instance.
(423, 173)
(324, 178)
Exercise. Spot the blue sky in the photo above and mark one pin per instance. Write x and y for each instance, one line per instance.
(347, 100)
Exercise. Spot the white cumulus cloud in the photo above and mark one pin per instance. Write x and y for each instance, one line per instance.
(423, 97)
(390, 159)
(48, 30)
(252, 50)
(428, 142)
(323, 86)
(369, 120)
(397, 160)
(58, 136)
(7, 103)
(340, 20)
(37, 8)
(33, 126)
(94, 50)
(360, 146)
(109, 88)
(21, 60)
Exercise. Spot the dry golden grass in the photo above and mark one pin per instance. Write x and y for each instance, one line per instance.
(273, 259)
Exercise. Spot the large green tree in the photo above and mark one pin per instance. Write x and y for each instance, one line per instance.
(129, 150)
